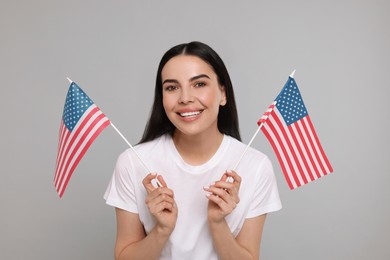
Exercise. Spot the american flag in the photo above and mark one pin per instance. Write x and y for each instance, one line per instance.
(288, 128)
(82, 121)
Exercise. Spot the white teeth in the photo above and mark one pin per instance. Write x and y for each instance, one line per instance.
(190, 114)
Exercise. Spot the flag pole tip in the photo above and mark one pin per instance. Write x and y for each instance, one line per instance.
(70, 81)
(292, 74)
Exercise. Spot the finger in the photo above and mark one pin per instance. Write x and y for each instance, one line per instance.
(236, 178)
(222, 204)
(160, 181)
(160, 191)
(237, 184)
(159, 207)
(223, 193)
(224, 177)
(152, 200)
(147, 182)
(218, 191)
(228, 186)
(234, 175)
(160, 199)
(227, 191)
(231, 189)
(223, 185)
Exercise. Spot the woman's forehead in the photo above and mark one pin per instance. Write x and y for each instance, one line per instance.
(186, 66)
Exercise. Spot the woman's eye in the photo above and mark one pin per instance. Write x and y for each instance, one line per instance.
(200, 84)
(170, 88)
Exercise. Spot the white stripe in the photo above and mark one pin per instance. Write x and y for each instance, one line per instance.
(64, 174)
(317, 163)
(64, 160)
(266, 114)
(285, 143)
(297, 154)
(84, 143)
(305, 155)
(87, 112)
(311, 152)
(61, 139)
(280, 151)
(60, 146)
(316, 146)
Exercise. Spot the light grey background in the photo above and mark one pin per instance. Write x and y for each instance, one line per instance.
(111, 49)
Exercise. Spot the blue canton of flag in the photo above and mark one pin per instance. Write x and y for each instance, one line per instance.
(77, 102)
(290, 104)
(82, 122)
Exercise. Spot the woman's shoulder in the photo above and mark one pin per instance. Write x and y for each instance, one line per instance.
(254, 165)
(148, 148)
(240, 147)
(145, 150)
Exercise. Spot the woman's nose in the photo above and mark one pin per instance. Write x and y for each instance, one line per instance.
(186, 96)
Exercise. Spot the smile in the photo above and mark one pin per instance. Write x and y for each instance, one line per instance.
(189, 114)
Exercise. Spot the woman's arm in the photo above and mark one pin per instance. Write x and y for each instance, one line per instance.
(245, 246)
(131, 241)
(222, 201)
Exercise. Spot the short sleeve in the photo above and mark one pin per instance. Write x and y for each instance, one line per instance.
(266, 196)
(120, 192)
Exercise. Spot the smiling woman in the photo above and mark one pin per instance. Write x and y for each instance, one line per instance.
(191, 138)
(159, 123)
(192, 96)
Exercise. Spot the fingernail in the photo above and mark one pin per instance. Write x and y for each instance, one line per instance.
(153, 173)
(206, 187)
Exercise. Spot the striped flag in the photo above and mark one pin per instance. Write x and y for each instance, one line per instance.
(82, 121)
(288, 128)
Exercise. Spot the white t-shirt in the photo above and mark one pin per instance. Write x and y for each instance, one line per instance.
(191, 238)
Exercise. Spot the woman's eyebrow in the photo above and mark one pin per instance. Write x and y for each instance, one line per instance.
(170, 81)
(199, 76)
(191, 79)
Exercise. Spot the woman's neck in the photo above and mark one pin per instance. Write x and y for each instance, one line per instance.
(198, 149)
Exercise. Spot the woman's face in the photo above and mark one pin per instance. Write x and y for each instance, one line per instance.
(191, 95)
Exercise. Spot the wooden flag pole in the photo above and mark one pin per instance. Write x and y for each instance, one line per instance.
(269, 110)
(128, 143)
(255, 134)
(131, 147)
(246, 148)
(292, 74)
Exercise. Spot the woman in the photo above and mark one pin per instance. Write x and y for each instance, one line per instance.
(199, 209)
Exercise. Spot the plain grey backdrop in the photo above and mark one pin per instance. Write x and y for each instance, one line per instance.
(112, 48)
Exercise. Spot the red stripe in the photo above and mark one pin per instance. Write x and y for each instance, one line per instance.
(60, 133)
(319, 146)
(61, 154)
(77, 147)
(279, 140)
(86, 147)
(283, 128)
(266, 114)
(302, 155)
(313, 147)
(60, 139)
(306, 148)
(265, 131)
(75, 135)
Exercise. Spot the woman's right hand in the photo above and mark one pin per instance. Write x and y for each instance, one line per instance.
(161, 204)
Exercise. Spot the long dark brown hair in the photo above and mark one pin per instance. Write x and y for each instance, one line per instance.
(159, 124)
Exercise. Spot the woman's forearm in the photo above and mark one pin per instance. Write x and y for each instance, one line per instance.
(148, 248)
(225, 244)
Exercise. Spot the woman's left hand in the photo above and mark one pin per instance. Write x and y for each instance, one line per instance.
(223, 196)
